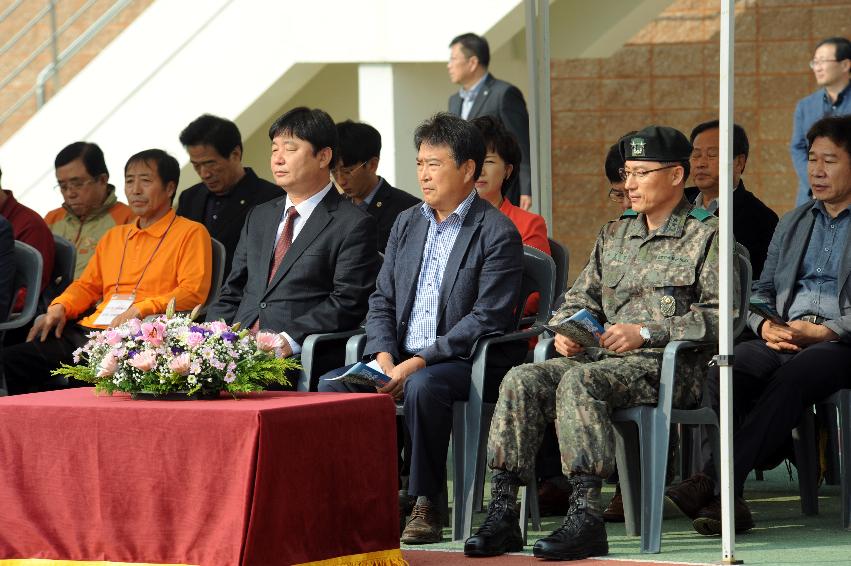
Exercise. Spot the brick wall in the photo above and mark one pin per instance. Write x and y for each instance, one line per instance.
(668, 74)
(40, 33)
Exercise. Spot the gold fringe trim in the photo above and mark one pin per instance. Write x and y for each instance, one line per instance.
(380, 558)
(48, 562)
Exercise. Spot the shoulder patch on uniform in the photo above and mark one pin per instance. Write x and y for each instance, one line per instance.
(629, 213)
(700, 214)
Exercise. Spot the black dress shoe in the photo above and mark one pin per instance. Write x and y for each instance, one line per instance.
(583, 533)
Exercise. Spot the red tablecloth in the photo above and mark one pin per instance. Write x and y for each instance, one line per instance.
(267, 479)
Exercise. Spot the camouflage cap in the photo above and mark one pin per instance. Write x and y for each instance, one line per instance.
(655, 143)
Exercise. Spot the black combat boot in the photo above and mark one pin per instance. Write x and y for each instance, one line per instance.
(583, 533)
(500, 533)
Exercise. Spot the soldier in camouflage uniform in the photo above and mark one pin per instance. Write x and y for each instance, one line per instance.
(652, 278)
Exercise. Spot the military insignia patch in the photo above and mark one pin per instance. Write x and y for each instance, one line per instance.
(668, 305)
(637, 147)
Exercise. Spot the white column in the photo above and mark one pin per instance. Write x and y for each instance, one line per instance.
(395, 98)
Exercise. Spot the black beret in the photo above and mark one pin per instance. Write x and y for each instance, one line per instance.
(655, 143)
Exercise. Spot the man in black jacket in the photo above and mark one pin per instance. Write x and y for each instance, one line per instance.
(227, 190)
(355, 174)
(753, 221)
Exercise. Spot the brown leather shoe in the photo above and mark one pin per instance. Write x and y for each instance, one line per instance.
(614, 512)
(552, 499)
(692, 495)
(425, 526)
(708, 520)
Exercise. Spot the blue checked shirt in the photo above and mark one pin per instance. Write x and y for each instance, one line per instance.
(422, 326)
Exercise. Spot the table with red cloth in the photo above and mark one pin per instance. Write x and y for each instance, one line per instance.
(266, 479)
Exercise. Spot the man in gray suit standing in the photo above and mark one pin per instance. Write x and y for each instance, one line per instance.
(804, 353)
(451, 275)
(483, 95)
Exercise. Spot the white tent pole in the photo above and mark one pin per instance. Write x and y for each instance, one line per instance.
(534, 96)
(543, 193)
(725, 259)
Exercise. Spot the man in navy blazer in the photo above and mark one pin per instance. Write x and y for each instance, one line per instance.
(451, 275)
(483, 95)
(356, 175)
(804, 354)
(305, 263)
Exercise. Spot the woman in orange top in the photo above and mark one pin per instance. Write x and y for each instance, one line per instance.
(501, 167)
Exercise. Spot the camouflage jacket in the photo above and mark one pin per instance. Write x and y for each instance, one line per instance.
(666, 281)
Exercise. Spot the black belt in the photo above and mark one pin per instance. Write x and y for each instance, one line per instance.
(813, 318)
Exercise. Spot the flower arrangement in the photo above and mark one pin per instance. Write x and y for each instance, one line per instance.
(173, 354)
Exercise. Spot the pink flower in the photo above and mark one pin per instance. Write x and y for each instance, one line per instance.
(218, 327)
(194, 339)
(134, 325)
(180, 364)
(144, 361)
(268, 342)
(107, 365)
(152, 332)
(112, 337)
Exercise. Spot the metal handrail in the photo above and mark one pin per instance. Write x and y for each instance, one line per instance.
(8, 11)
(51, 70)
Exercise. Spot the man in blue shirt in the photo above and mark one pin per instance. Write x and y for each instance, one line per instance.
(831, 66)
(451, 275)
(804, 354)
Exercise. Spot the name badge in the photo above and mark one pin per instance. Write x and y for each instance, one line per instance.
(117, 305)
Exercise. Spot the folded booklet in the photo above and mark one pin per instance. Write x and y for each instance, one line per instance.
(365, 374)
(583, 328)
(766, 311)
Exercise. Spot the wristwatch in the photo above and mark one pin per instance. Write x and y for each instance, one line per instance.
(644, 332)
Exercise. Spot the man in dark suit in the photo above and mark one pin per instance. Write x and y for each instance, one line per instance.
(355, 174)
(804, 354)
(451, 275)
(305, 263)
(227, 190)
(753, 221)
(483, 95)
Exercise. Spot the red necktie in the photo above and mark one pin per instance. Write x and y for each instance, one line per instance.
(284, 243)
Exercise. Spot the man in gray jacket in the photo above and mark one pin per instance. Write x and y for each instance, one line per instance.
(804, 352)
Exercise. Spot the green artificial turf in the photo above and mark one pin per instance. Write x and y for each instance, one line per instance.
(782, 534)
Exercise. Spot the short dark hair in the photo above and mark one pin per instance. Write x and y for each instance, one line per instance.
(168, 169)
(842, 45)
(358, 142)
(472, 44)
(741, 146)
(835, 128)
(503, 142)
(684, 164)
(211, 130)
(463, 138)
(615, 161)
(312, 125)
(89, 153)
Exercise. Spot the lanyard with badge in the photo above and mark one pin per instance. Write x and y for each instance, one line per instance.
(119, 302)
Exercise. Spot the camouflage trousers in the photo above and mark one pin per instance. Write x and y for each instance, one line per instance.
(579, 393)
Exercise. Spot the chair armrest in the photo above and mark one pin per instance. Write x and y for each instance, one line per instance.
(480, 355)
(545, 350)
(308, 352)
(354, 348)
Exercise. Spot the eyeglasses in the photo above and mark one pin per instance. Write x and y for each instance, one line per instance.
(616, 195)
(640, 174)
(73, 185)
(340, 172)
(821, 62)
